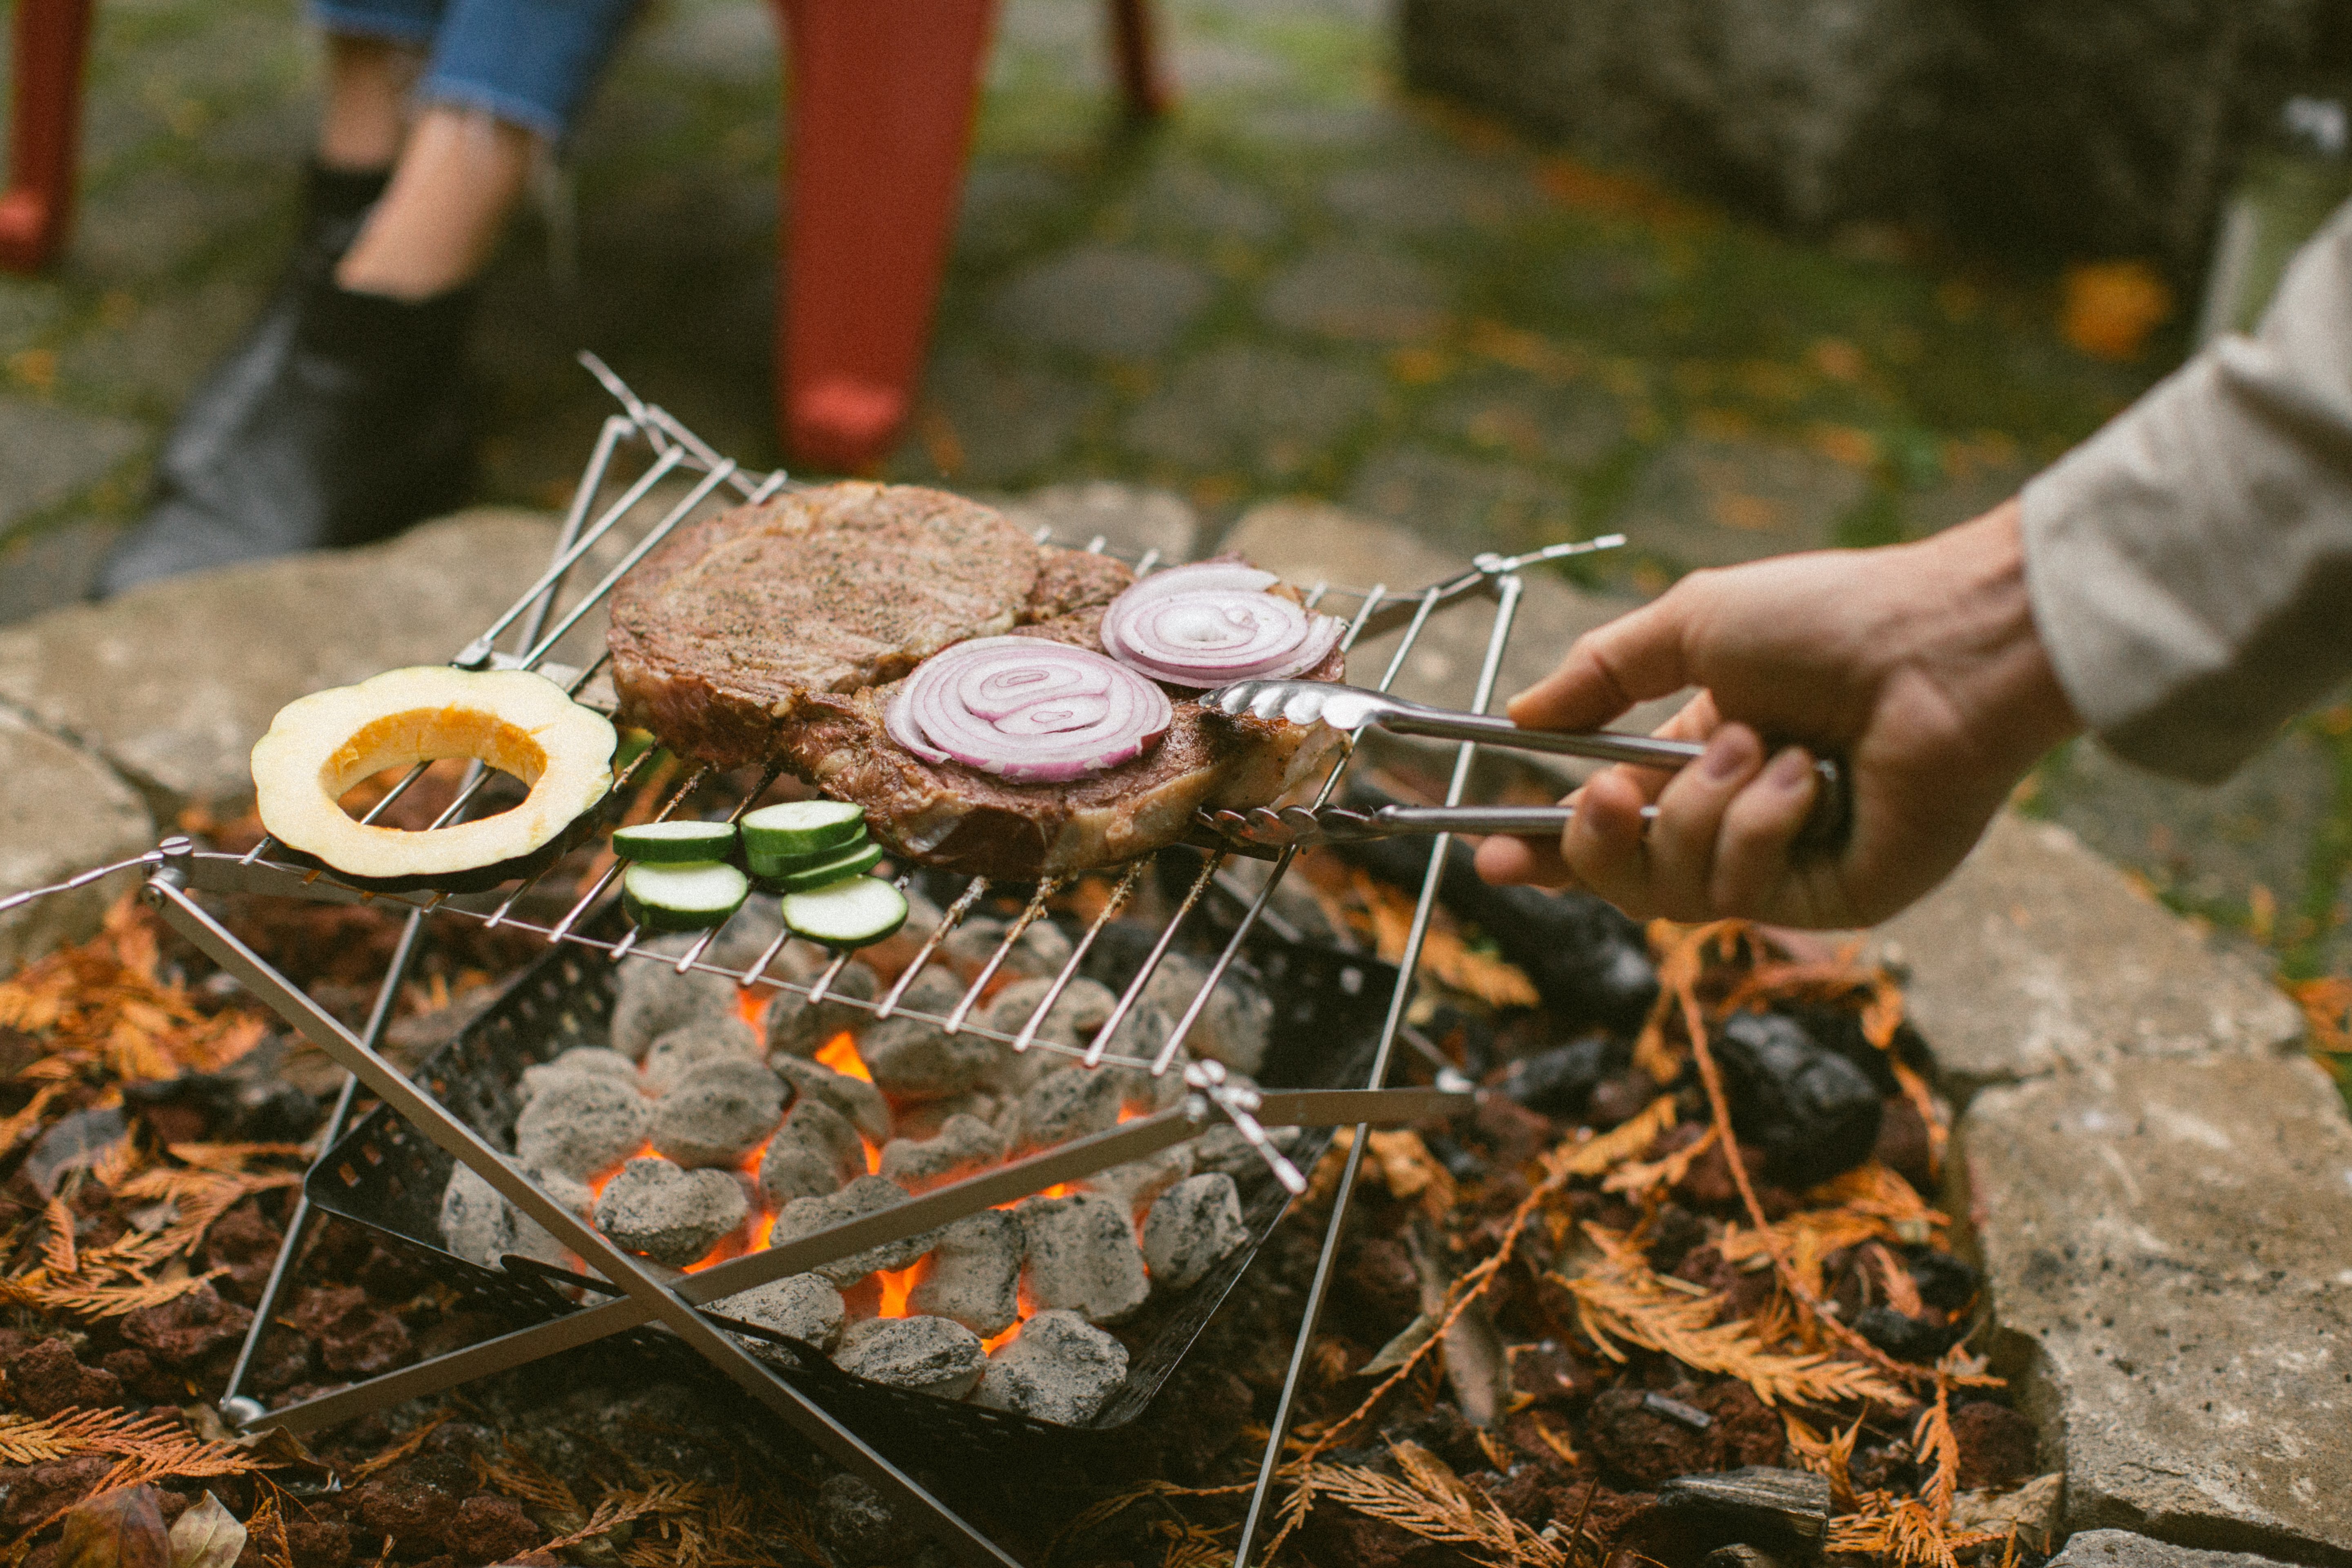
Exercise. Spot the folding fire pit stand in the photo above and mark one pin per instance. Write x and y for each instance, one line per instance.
(179, 871)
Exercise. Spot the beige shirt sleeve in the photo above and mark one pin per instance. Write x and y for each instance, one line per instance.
(2190, 565)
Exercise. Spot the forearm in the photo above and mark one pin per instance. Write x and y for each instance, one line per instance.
(2190, 566)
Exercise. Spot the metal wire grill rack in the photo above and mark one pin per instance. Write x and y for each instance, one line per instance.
(540, 619)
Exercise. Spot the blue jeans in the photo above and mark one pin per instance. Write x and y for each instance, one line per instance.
(529, 62)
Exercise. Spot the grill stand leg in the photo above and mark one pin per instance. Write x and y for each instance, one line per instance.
(1505, 608)
(167, 887)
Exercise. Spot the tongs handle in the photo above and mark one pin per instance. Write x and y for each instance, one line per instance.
(1641, 751)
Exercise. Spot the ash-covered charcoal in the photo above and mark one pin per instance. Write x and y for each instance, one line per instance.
(1068, 1103)
(865, 1196)
(1077, 1012)
(720, 1110)
(669, 1215)
(930, 1355)
(1195, 1223)
(1042, 950)
(1082, 1256)
(859, 1103)
(973, 1275)
(814, 1153)
(581, 1126)
(478, 1225)
(1559, 1081)
(650, 998)
(798, 1029)
(1589, 962)
(803, 1307)
(1812, 1112)
(927, 1118)
(676, 1053)
(591, 1061)
(744, 937)
(1223, 1147)
(1233, 1027)
(1060, 1368)
(1139, 1184)
(914, 1059)
(965, 1146)
(1143, 1091)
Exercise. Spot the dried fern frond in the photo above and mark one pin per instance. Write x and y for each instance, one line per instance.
(104, 1300)
(57, 1256)
(665, 1499)
(14, 1128)
(523, 1478)
(1433, 1503)
(1936, 1449)
(408, 1445)
(1615, 1303)
(1639, 1179)
(1623, 1142)
(231, 1159)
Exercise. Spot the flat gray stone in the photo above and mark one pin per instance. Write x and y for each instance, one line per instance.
(2121, 1548)
(1111, 303)
(48, 454)
(61, 813)
(1309, 542)
(1252, 407)
(1710, 503)
(173, 683)
(1130, 520)
(2039, 957)
(50, 567)
(1185, 198)
(2166, 1246)
(1359, 295)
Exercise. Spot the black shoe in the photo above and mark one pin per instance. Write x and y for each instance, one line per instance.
(342, 420)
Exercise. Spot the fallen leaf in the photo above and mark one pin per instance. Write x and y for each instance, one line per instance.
(206, 1536)
(120, 1529)
(1399, 1351)
(2112, 307)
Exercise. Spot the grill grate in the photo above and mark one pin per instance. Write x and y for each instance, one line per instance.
(389, 1170)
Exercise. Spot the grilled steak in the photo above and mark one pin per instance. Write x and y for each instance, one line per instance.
(775, 633)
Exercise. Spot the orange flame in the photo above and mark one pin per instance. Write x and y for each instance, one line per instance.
(840, 1054)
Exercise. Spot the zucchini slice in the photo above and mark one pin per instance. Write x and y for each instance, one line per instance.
(851, 912)
(802, 826)
(674, 843)
(770, 864)
(686, 897)
(851, 863)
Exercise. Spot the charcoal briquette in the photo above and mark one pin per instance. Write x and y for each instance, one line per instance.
(1813, 1113)
(1060, 1368)
(581, 1125)
(928, 1355)
(814, 1153)
(973, 1275)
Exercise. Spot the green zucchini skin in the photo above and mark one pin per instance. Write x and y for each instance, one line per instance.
(805, 914)
(841, 867)
(843, 826)
(714, 841)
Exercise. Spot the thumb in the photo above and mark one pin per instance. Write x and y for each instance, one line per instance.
(1634, 657)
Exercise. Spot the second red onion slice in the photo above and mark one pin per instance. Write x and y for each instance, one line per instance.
(1212, 622)
(1026, 709)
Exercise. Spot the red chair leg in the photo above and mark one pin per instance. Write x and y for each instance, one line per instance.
(52, 38)
(1135, 41)
(883, 97)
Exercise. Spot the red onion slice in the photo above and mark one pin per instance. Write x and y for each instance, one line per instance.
(1212, 623)
(1027, 710)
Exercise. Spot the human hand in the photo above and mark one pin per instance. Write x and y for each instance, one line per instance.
(1917, 664)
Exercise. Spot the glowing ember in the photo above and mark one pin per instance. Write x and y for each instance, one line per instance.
(840, 1054)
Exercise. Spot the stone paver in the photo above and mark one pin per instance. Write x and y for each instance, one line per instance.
(2165, 1248)
(990, 422)
(2122, 1549)
(1256, 409)
(1711, 503)
(44, 567)
(47, 453)
(1466, 504)
(2039, 957)
(1364, 296)
(1114, 304)
(172, 684)
(61, 813)
(1129, 519)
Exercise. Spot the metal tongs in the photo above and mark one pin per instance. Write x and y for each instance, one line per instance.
(1352, 709)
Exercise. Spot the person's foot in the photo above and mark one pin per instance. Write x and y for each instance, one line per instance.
(339, 418)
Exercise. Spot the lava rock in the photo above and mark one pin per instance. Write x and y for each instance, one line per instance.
(651, 998)
(720, 1111)
(188, 1327)
(858, 1526)
(858, 1102)
(478, 1225)
(865, 1196)
(973, 1275)
(798, 1029)
(1559, 1081)
(1998, 1445)
(591, 1061)
(681, 1051)
(1812, 1112)
(581, 1126)
(1067, 1103)
(1759, 1505)
(356, 1338)
(1638, 1443)
(966, 1145)
(1139, 1184)
(669, 1215)
(1082, 1254)
(803, 1307)
(1058, 1368)
(45, 1379)
(928, 1355)
(492, 1528)
(816, 1151)
(1195, 1223)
